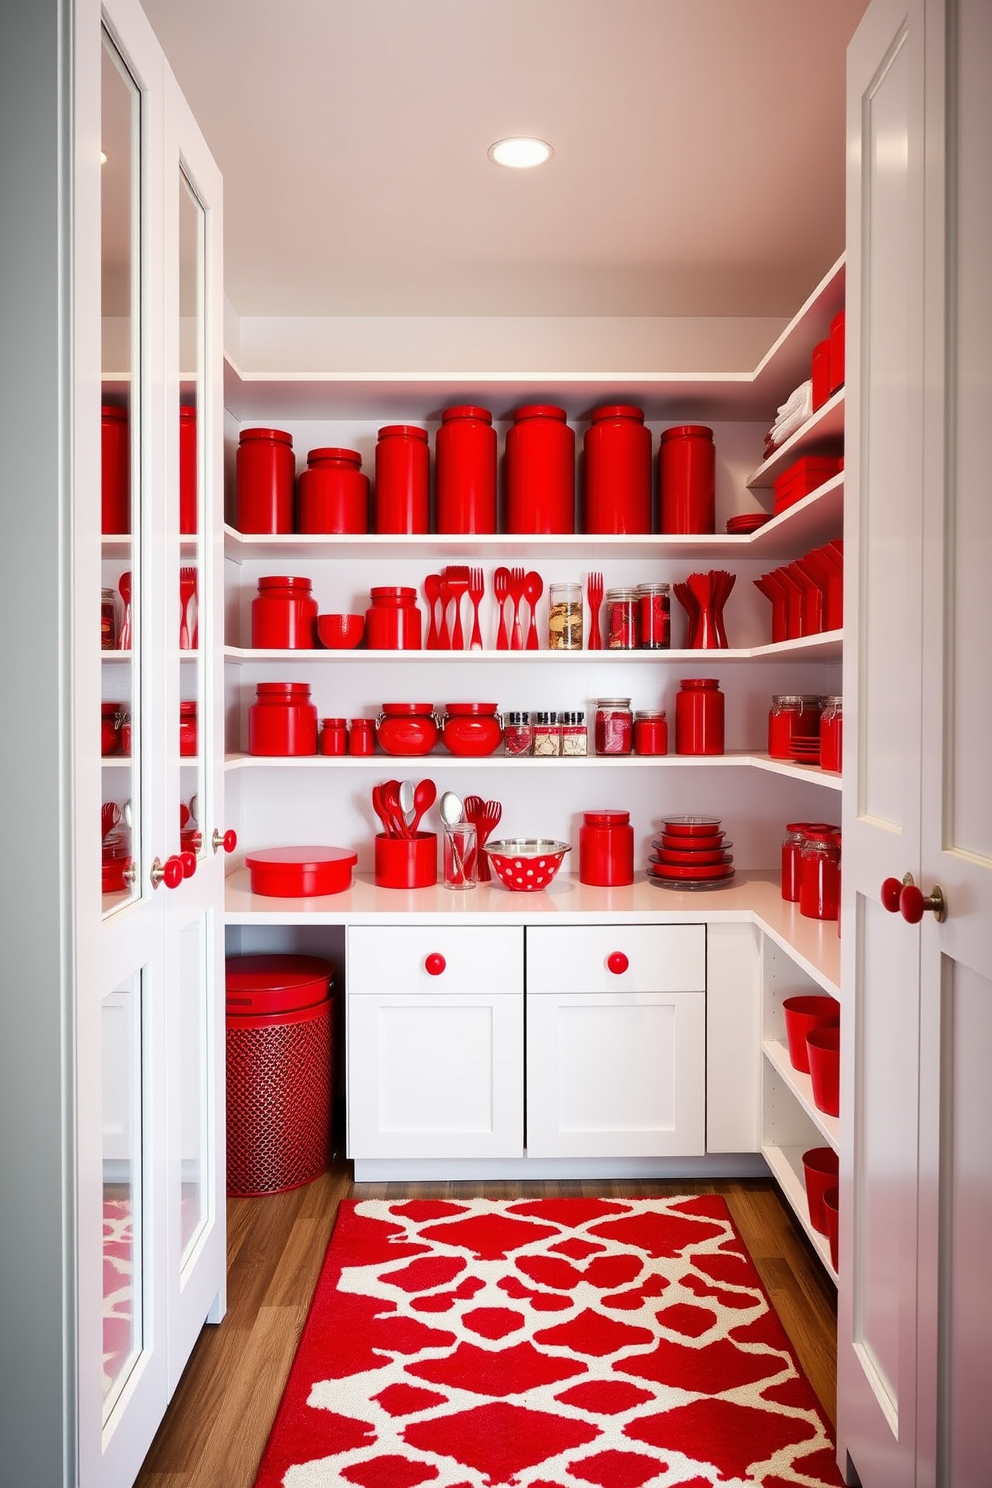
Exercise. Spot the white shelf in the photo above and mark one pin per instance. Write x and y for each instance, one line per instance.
(801, 1086)
(822, 433)
(116, 655)
(498, 761)
(813, 773)
(827, 646)
(817, 519)
(786, 1164)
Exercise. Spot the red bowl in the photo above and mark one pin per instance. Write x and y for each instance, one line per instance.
(299, 872)
(526, 863)
(689, 859)
(340, 632)
(703, 870)
(691, 844)
(691, 826)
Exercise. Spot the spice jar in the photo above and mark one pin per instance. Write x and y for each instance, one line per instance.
(650, 733)
(547, 734)
(361, 736)
(402, 479)
(465, 470)
(115, 470)
(282, 720)
(606, 848)
(284, 615)
(187, 470)
(699, 716)
(831, 734)
(108, 620)
(518, 736)
(187, 727)
(565, 617)
(687, 479)
(574, 734)
(265, 475)
(540, 471)
(654, 611)
(332, 493)
(792, 717)
(393, 622)
(614, 727)
(622, 629)
(819, 877)
(333, 736)
(617, 467)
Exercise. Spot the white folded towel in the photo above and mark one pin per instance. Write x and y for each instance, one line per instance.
(793, 413)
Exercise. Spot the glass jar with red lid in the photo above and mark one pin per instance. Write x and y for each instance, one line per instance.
(606, 848)
(465, 470)
(393, 621)
(614, 726)
(265, 480)
(284, 613)
(654, 608)
(793, 718)
(187, 726)
(402, 479)
(819, 877)
(687, 479)
(699, 716)
(792, 846)
(617, 470)
(332, 492)
(832, 734)
(651, 732)
(540, 471)
(622, 620)
(282, 720)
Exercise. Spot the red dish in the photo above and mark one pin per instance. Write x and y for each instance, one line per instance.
(687, 859)
(679, 871)
(691, 826)
(298, 872)
(693, 844)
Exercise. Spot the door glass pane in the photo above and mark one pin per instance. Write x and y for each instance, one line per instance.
(121, 1037)
(120, 725)
(192, 647)
(193, 1024)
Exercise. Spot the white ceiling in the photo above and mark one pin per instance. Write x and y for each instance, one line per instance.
(698, 167)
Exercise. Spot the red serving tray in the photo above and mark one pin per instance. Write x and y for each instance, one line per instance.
(300, 872)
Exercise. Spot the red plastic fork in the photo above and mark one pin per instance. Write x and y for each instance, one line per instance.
(518, 583)
(594, 597)
(476, 590)
(501, 590)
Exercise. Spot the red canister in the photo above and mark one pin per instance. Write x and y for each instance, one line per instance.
(687, 479)
(265, 479)
(820, 373)
(792, 719)
(617, 470)
(540, 471)
(407, 728)
(112, 716)
(832, 735)
(699, 716)
(606, 848)
(187, 727)
(402, 479)
(465, 470)
(187, 470)
(393, 621)
(333, 736)
(332, 493)
(284, 615)
(283, 721)
(361, 736)
(115, 470)
(650, 733)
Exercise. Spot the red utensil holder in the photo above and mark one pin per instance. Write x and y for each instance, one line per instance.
(823, 1054)
(265, 481)
(406, 862)
(617, 471)
(540, 471)
(465, 470)
(820, 1166)
(687, 479)
(802, 1015)
(332, 492)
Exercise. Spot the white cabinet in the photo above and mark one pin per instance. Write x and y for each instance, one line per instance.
(616, 1041)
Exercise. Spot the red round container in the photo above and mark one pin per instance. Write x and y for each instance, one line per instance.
(187, 471)
(393, 621)
(540, 471)
(471, 729)
(819, 877)
(465, 470)
(687, 479)
(699, 716)
(823, 1055)
(265, 479)
(407, 728)
(837, 352)
(606, 848)
(830, 1219)
(820, 373)
(115, 470)
(333, 736)
(187, 727)
(279, 1072)
(617, 470)
(802, 1015)
(283, 721)
(402, 479)
(650, 733)
(300, 872)
(406, 862)
(332, 494)
(820, 1165)
(284, 616)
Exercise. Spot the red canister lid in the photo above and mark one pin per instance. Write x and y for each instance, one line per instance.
(700, 682)
(466, 410)
(187, 708)
(283, 581)
(539, 410)
(408, 431)
(687, 431)
(407, 710)
(275, 983)
(470, 710)
(112, 411)
(393, 592)
(606, 818)
(278, 435)
(283, 689)
(186, 411)
(332, 453)
(617, 410)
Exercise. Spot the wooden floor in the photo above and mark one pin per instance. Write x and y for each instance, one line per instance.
(217, 1425)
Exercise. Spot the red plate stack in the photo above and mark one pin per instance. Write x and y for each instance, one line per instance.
(747, 522)
(691, 853)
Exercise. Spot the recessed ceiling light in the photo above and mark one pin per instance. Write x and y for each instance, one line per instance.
(520, 152)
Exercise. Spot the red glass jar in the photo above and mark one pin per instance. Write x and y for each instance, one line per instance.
(112, 716)
(332, 493)
(819, 877)
(606, 848)
(465, 470)
(333, 736)
(265, 481)
(115, 470)
(540, 471)
(402, 479)
(283, 721)
(650, 733)
(284, 615)
(187, 471)
(699, 716)
(654, 608)
(617, 469)
(622, 620)
(687, 479)
(393, 621)
(187, 727)
(791, 718)
(832, 734)
(614, 726)
(792, 846)
(361, 736)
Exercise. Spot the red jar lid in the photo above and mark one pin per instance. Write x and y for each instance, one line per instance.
(283, 581)
(606, 818)
(331, 453)
(618, 410)
(332, 723)
(470, 710)
(275, 983)
(403, 431)
(407, 710)
(283, 689)
(187, 708)
(278, 436)
(186, 412)
(466, 410)
(687, 431)
(539, 410)
(112, 411)
(700, 682)
(393, 593)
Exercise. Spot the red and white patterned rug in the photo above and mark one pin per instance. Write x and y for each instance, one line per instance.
(552, 1343)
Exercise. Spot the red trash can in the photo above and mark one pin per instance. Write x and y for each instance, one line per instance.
(279, 1072)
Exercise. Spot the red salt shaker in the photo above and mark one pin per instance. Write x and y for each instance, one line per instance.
(187, 470)
(540, 471)
(465, 470)
(265, 481)
(333, 494)
(402, 479)
(617, 470)
(687, 479)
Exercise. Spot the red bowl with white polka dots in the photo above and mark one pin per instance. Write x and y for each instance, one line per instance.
(526, 863)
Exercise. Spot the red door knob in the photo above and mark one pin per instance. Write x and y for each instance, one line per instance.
(891, 891)
(617, 963)
(434, 964)
(188, 861)
(913, 904)
(170, 872)
(227, 840)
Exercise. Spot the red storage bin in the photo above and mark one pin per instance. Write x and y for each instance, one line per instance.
(820, 1167)
(802, 1015)
(279, 1072)
(823, 1054)
(803, 476)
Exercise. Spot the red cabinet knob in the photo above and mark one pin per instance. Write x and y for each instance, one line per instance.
(227, 840)
(617, 962)
(188, 862)
(891, 891)
(434, 964)
(913, 904)
(170, 872)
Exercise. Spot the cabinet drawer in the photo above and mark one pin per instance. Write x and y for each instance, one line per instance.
(483, 960)
(577, 958)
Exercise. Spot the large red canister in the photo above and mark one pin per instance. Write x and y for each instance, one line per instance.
(540, 471)
(617, 470)
(115, 470)
(332, 493)
(187, 470)
(687, 479)
(265, 480)
(606, 848)
(465, 470)
(699, 716)
(284, 613)
(283, 721)
(402, 479)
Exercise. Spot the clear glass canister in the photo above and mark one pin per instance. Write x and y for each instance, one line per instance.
(518, 736)
(831, 734)
(108, 620)
(547, 734)
(614, 726)
(565, 617)
(819, 878)
(622, 621)
(792, 717)
(654, 607)
(574, 734)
